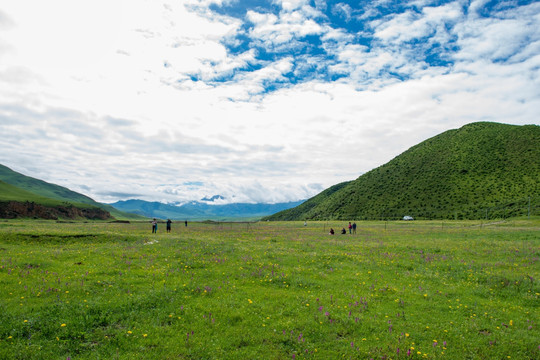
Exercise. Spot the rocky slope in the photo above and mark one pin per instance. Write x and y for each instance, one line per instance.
(15, 210)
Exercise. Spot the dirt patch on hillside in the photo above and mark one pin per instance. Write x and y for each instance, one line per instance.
(15, 210)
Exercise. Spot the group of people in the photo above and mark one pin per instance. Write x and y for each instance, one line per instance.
(155, 223)
(352, 229)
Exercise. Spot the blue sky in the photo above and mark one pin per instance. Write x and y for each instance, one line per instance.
(257, 101)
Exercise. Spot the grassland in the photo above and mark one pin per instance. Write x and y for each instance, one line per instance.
(270, 290)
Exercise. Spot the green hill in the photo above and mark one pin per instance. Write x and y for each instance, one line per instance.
(18, 203)
(21, 188)
(9, 192)
(482, 170)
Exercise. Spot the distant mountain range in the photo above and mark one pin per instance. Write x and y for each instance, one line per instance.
(199, 210)
(482, 170)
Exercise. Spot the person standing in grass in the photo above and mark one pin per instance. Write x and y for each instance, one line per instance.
(169, 225)
(154, 226)
(354, 228)
(350, 228)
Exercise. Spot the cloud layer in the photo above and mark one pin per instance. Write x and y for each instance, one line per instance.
(256, 101)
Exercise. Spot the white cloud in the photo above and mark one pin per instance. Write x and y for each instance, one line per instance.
(476, 5)
(290, 5)
(274, 31)
(410, 25)
(498, 39)
(342, 9)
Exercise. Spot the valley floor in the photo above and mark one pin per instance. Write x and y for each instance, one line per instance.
(270, 290)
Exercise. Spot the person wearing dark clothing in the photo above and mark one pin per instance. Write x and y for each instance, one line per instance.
(186, 223)
(154, 226)
(350, 228)
(343, 231)
(331, 231)
(354, 228)
(169, 225)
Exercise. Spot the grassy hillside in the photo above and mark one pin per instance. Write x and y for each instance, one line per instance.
(25, 188)
(18, 203)
(480, 170)
(9, 192)
(42, 188)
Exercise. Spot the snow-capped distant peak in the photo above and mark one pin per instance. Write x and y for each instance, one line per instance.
(213, 198)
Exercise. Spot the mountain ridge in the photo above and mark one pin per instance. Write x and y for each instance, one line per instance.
(196, 210)
(460, 173)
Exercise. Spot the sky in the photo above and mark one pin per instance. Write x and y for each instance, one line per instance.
(256, 101)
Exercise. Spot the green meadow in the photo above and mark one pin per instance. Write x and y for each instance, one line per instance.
(270, 290)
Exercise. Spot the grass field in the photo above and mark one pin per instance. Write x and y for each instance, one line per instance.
(272, 290)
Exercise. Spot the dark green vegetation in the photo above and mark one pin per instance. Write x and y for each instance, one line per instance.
(272, 290)
(24, 196)
(480, 171)
(201, 211)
